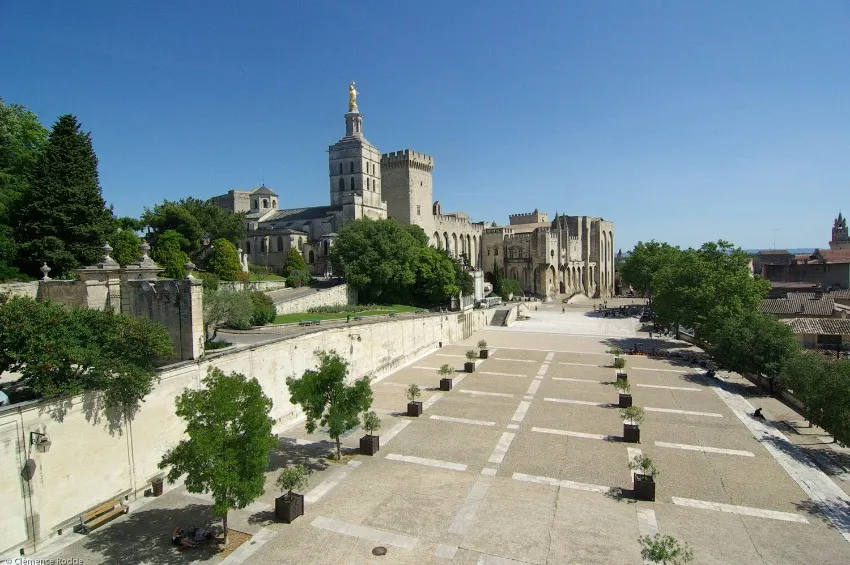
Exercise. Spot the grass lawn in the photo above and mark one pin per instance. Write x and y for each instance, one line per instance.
(266, 278)
(378, 311)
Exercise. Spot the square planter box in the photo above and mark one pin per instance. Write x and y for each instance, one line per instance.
(446, 384)
(369, 445)
(469, 366)
(484, 353)
(414, 409)
(622, 376)
(631, 433)
(644, 487)
(286, 510)
(625, 400)
(157, 487)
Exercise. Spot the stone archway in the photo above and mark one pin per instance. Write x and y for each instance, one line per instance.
(446, 239)
(454, 245)
(437, 240)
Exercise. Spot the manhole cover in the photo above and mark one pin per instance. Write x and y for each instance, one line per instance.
(380, 550)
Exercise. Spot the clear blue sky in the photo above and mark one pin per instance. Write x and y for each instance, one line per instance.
(680, 121)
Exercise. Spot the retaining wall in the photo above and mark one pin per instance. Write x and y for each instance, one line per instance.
(339, 295)
(89, 463)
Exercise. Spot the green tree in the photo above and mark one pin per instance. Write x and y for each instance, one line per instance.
(64, 220)
(170, 216)
(435, 277)
(224, 261)
(264, 311)
(64, 352)
(378, 258)
(215, 221)
(508, 287)
(22, 140)
(168, 253)
(822, 385)
(664, 550)
(229, 438)
(125, 246)
(640, 267)
(293, 261)
(226, 307)
(327, 400)
(753, 343)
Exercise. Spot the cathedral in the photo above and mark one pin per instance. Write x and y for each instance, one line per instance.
(363, 183)
(568, 255)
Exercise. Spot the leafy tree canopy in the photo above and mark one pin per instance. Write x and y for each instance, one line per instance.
(224, 261)
(293, 261)
(22, 140)
(754, 343)
(229, 436)
(60, 351)
(227, 307)
(64, 220)
(168, 253)
(647, 259)
(194, 218)
(823, 386)
(170, 216)
(326, 398)
(125, 246)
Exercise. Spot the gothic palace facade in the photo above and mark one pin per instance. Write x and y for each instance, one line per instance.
(573, 253)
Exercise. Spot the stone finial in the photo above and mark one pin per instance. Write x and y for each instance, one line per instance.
(107, 249)
(145, 248)
(189, 266)
(44, 271)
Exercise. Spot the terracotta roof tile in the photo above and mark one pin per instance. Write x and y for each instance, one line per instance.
(834, 255)
(796, 304)
(818, 326)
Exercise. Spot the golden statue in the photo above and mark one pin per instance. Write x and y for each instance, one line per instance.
(352, 98)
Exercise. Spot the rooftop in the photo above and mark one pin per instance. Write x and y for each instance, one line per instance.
(819, 326)
(797, 304)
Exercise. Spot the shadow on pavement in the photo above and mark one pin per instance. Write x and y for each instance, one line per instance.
(145, 536)
(313, 456)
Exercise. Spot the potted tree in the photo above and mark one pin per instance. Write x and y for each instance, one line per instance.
(471, 356)
(632, 417)
(414, 408)
(622, 377)
(665, 550)
(370, 443)
(482, 348)
(644, 477)
(625, 399)
(290, 505)
(445, 379)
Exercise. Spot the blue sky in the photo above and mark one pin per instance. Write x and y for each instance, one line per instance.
(680, 121)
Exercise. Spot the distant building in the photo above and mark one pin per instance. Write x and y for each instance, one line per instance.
(827, 269)
(363, 183)
(570, 254)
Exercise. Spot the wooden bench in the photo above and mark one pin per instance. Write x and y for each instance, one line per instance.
(101, 515)
(316, 322)
(358, 317)
(392, 314)
(309, 322)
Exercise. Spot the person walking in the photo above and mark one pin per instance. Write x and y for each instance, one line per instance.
(650, 334)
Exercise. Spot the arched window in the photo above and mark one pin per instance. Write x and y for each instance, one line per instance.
(352, 183)
(256, 204)
(341, 184)
(312, 258)
(265, 203)
(351, 167)
(248, 247)
(274, 203)
(496, 251)
(280, 243)
(263, 245)
(367, 184)
(340, 168)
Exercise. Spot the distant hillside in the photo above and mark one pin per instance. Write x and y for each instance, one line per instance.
(794, 250)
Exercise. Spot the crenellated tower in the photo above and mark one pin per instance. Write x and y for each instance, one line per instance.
(409, 188)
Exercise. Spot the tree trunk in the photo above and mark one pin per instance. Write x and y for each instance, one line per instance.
(338, 452)
(224, 524)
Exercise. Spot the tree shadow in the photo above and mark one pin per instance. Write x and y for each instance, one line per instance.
(837, 512)
(146, 535)
(313, 456)
(621, 495)
(262, 518)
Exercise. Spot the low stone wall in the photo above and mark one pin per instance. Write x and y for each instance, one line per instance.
(262, 286)
(20, 289)
(513, 312)
(89, 463)
(335, 296)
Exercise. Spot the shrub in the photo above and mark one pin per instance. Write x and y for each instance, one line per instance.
(298, 278)
(619, 363)
(293, 478)
(445, 370)
(471, 355)
(665, 550)
(371, 422)
(632, 414)
(643, 464)
(615, 351)
(264, 311)
(413, 392)
(623, 386)
(482, 344)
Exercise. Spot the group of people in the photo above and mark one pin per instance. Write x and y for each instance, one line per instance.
(196, 537)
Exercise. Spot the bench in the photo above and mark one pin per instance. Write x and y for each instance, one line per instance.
(305, 323)
(101, 515)
(392, 314)
(421, 311)
(358, 317)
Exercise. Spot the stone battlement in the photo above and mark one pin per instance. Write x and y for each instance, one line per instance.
(535, 217)
(407, 158)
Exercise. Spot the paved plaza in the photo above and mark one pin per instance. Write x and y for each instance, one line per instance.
(522, 463)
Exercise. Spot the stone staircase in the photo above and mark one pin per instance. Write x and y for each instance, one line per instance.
(499, 317)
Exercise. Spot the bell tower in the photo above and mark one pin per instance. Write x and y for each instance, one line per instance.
(355, 169)
(840, 238)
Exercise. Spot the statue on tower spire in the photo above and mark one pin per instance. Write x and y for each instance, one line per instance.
(352, 98)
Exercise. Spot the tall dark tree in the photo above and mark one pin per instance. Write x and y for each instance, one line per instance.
(64, 220)
(22, 140)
